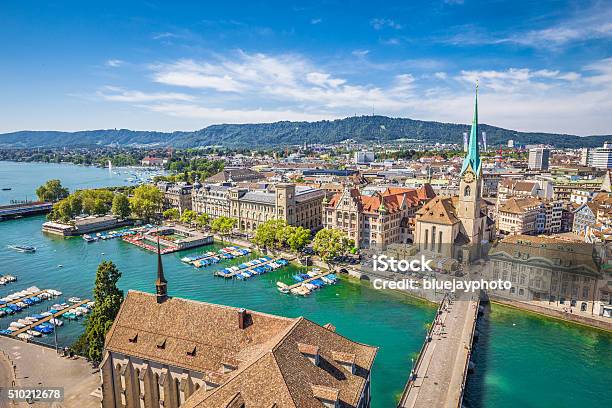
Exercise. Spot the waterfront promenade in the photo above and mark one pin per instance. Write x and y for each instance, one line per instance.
(39, 366)
(438, 378)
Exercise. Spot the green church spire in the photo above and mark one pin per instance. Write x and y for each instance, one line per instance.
(473, 155)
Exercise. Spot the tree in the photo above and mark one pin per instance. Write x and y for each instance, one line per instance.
(146, 202)
(52, 191)
(297, 238)
(121, 206)
(171, 214)
(108, 299)
(202, 220)
(330, 243)
(266, 234)
(188, 216)
(223, 225)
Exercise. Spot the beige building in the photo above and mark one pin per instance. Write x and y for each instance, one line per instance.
(377, 220)
(518, 216)
(553, 270)
(176, 195)
(457, 227)
(172, 352)
(297, 205)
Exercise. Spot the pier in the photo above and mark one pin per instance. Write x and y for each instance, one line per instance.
(46, 319)
(21, 299)
(297, 285)
(439, 373)
(23, 210)
(247, 269)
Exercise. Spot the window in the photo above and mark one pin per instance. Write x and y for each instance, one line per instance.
(467, 191)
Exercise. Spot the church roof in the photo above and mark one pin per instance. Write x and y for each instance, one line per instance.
(473, 157)
(440, 210)
(270, 368)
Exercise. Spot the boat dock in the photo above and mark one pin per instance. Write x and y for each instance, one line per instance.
(438, 376)
(46, 319)
(247, 269)
(297, 285)
(21, 299)
(24, 209)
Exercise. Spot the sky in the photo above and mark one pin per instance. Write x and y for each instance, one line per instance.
(183, 65)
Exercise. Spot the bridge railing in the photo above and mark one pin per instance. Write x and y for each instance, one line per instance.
(412, 377)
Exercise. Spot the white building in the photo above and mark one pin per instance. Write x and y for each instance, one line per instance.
(539, 158)
(602, 157)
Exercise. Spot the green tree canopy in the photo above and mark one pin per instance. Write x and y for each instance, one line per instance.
(297, 238)
(52, 191)
(108, 299)
(223, 225)
(121, 206)
(189, 216)
(202, 220)
(330, 243)
(171, 214)
(146, 202)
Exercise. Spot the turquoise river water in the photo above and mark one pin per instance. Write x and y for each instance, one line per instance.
(521, 360)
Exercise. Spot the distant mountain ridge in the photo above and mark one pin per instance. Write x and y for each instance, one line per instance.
(359, 128)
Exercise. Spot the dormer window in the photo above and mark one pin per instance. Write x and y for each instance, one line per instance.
(161, 343)
(192, 352)
(328, 396)
(309, 351)
(134, 338)
(346, 360)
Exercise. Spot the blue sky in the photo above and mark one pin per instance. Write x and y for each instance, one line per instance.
(183, 65)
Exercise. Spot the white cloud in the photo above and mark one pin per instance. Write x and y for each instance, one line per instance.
(315, 21)
(112, 93)
(113, 63)
(245, 87)
(380, 23)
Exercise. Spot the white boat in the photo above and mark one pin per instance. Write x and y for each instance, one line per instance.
(24, 336)
(34, 333)
(74, 299)
(46, 314)
(23, 248)
(17, 325)
(56, 322)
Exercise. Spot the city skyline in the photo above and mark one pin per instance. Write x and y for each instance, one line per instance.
(542, 66)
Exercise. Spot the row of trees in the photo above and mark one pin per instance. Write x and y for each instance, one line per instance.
(145, 203)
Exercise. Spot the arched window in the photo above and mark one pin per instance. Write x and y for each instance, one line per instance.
(467, 191)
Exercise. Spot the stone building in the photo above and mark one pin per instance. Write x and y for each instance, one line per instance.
(377, 220)
(236, 175)
(297, 205)
(530, 216)
(176, 195)
(549, 269)
(171, 352)
(457, 227)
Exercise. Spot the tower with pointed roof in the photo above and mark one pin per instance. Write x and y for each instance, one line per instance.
(470, 186)
(161, 285)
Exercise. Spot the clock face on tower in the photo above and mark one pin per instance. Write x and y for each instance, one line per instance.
(469, 176)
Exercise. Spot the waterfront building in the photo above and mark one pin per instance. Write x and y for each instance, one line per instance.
(457, 227)
(549, 269)
(84, 225)
(176, 195)
(297, 205)
(376, 220)
(170, 352)
(539, 158)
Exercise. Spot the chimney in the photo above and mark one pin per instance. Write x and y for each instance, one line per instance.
(243, 319)
(310, 352)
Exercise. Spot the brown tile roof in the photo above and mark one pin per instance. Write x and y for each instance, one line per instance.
(272, 371)
(519, 205)
(392, 197)
(440, 210)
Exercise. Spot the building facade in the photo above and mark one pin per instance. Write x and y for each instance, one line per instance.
(377, 220)
(297, 205)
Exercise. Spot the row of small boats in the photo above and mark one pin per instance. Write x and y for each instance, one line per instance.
(35, 325)
(16, 302)
(306, 283)
(7, 279)
(210, 257)
(251, 268)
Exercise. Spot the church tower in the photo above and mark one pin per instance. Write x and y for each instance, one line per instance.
(470, 186)
(161, 285)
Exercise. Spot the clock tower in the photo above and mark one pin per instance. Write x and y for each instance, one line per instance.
(470, 186)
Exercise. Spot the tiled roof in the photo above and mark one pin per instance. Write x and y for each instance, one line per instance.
(440, 210)
(271, 369)
(519, 205)
(392, 198)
